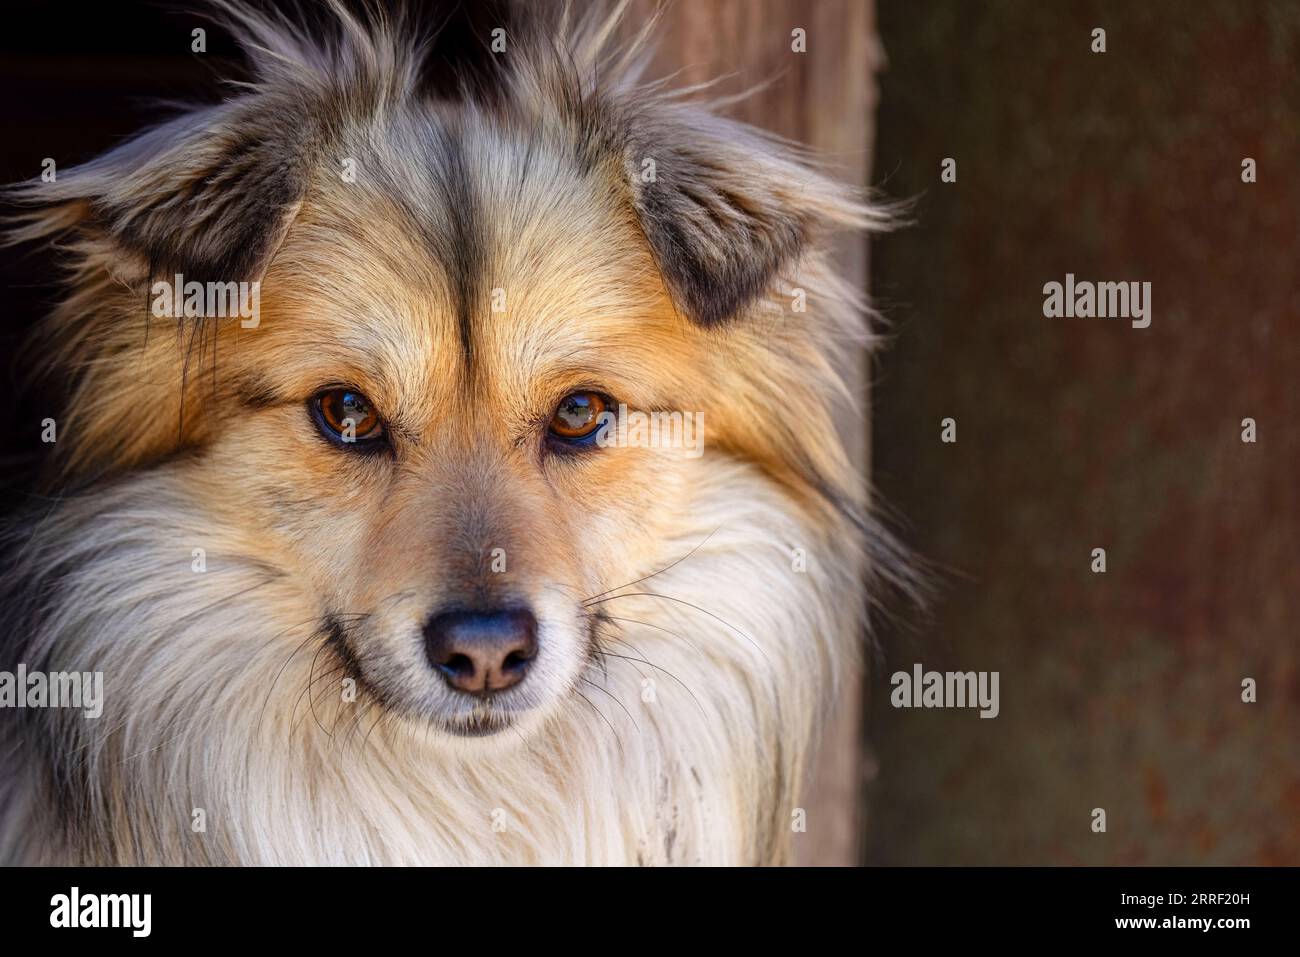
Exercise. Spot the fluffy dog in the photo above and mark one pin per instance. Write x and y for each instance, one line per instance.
(364, 583)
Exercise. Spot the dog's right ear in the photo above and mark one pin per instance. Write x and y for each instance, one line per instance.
(209, 194)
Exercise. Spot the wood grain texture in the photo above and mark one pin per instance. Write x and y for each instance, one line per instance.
(826, 98)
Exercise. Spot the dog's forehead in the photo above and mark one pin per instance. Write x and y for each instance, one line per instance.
(462, 246)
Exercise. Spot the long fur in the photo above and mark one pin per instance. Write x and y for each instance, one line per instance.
(699, 615)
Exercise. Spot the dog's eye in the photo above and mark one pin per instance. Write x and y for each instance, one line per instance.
(578, 416)
(347, 416)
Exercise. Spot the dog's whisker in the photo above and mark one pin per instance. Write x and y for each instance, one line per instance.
(339, 668)
(384, 715)
(614, 699)
(617, 737)
(651, 664)
(645, 660)
(669, 567)
(306, 691)
(681, 601)
(599, 656)
(311, 680)
(649, 624)
(313, 673)
(315, 632)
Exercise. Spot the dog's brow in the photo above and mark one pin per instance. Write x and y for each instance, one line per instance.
(258, 392)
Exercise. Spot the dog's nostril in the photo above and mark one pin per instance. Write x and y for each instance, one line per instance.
(459, 665)
(482, 652)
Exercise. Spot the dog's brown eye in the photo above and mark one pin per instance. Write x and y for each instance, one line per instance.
(347, 416)
(578, 416)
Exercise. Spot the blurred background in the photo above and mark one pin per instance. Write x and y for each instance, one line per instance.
(1120, 691)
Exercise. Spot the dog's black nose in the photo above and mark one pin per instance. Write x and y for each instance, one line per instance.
(482, 652)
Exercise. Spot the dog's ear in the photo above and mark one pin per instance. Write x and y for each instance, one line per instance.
(209, 194)
(727, 209)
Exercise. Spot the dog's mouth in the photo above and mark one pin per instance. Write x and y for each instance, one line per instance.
(478, 725)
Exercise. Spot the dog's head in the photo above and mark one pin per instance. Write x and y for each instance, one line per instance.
(454, 295)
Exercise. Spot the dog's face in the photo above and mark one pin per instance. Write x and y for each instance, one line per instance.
(454, 532)
(410, 429)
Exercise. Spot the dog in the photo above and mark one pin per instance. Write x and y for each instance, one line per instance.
(367, 575)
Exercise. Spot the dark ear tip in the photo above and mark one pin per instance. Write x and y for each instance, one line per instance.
(721, 225)
(717, 308)
(714, 294)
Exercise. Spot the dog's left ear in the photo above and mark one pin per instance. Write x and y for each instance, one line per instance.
(727, 209)
(209, 194)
